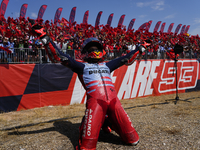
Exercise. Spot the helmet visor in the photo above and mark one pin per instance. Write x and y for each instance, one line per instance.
(96, 54)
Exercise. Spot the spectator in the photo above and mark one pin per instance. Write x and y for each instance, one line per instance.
(187, 52)
(120, 40)
(58, 43)
(34, 50)
(124, 47)
(16, 49)
(21, 51)
(162, 50)
(117, 49)
(3, 54)
(11, 48)
(64, 46)
(1, 39)
(131, 46)
(159, 50)
(26, 48)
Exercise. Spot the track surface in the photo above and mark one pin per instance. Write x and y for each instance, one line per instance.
(160, 123)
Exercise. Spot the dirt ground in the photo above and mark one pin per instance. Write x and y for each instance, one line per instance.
(161, 122)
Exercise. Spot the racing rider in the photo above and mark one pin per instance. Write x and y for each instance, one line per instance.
(94, 75)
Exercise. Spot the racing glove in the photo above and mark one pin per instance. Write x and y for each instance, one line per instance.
(37, 29)
(142, 48)
(54, 54)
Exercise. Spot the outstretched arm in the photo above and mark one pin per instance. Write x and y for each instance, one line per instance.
(128, 59)
(54, 53)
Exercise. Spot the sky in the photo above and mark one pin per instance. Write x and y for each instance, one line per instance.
(185, 12)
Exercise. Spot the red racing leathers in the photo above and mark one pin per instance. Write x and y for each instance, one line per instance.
(101, 95)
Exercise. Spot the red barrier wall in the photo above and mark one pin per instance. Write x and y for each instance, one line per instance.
(26, 86)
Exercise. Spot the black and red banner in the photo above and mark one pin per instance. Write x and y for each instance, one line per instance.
(23, 10)
(98, 19)
(177, 28)
(72, 15)
(109, 21)
(121, 20)
(85, 17)
(183, 29)
(157, 26)
(170, 28)
(130, 26)
(162, 27)
(41, 11)
(149, 25)
(143, 26)
(3, 7)
(57, 14)
(186, 29)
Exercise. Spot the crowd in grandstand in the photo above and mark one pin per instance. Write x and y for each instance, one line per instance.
(15, 35)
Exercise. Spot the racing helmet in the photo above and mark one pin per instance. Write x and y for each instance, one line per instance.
(92, 49)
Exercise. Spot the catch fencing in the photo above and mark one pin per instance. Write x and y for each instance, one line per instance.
(27, 55)
(39, 56)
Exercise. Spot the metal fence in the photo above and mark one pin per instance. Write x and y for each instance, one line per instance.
(27, 55)
(39, 55)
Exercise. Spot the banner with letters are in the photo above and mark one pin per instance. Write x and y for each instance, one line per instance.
(27, 86)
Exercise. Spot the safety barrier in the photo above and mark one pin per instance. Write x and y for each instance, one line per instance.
(25, 55)
(29, 55)
(29, 86)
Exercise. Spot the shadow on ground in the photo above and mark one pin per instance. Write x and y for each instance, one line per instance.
(71, 130)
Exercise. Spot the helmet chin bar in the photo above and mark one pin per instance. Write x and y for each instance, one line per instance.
(93, 56)
(94, 60)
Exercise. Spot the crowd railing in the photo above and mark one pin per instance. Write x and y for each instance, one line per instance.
(29, 55)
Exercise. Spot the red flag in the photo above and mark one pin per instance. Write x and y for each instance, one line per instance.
(173, 41)
(19, 33)
(41, 11)
(57, 14)
(162, 27)
(121, 20)
(5, 49)
(98, 19)
(130, 26)
(109, 21)
(3, 7)
(2, 30)
(67, 36)
(181, 39)
(8, 33)
(171, 54)
(157, 26)
(64, 21)
(177, 28)
(23, 10)
(72, 15)
(85, 18)
(170, 28)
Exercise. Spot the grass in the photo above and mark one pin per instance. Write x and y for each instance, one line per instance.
(171, 130)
